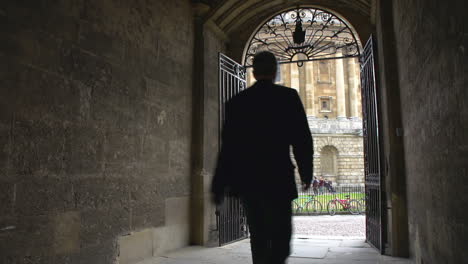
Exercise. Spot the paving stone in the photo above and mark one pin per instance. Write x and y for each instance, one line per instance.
(318, 242)
(354, 244)
(352, 250)
(308, 251)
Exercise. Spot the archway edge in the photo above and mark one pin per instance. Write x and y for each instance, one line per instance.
(249, 18)
(332, 12)
(329, 146)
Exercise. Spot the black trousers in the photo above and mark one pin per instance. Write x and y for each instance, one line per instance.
(270, 229)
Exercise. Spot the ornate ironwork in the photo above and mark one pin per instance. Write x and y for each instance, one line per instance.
(231, 217)
(372, 150)
(304, 34)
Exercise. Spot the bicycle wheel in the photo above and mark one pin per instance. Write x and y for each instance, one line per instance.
(332, 207)
(296, 207)
(355, 207)
(313, 207)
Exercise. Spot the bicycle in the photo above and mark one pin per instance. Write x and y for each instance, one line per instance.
(311, 205)
(351, 205)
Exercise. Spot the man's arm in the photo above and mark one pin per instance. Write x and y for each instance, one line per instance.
(302, 142)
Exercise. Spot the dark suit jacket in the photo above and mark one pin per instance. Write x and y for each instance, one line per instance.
(261, 124)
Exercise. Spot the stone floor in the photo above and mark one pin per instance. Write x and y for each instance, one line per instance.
(346, 226)
(305, 251)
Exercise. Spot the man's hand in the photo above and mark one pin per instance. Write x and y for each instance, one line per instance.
(305, 186)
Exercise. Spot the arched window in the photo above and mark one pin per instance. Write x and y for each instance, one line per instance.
(328, 161)
(304, 34)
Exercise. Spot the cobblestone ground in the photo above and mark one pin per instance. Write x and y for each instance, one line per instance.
(326, 225)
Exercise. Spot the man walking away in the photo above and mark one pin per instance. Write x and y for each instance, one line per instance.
(254, 163)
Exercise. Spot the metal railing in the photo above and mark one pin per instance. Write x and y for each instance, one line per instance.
(323, 195)
(231, 218)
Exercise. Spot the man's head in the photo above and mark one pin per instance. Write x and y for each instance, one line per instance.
(264, 66)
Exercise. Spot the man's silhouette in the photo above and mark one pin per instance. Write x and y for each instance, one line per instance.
(261, 124)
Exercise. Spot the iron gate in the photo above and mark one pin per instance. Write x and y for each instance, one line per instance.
(372, 148)
(231, 218)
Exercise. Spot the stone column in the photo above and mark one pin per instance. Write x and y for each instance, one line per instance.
(310, 88)
(200, 206)
(340, 89)
(286, 68)
(294, 76)
(353, 84)
(250, 78)
(302, 81)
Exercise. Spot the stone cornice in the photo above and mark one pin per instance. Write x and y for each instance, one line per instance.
(335, 126)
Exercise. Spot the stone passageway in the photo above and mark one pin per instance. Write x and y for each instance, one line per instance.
(305, 251)
(109, 128)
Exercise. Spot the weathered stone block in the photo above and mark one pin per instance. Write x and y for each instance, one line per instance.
(92, 39)
(7, 199)
(154, 155)
(121, 148)
(39, 148)
(147, 214)
(87, 151)
(95, 231)
(104, 252)
(136, 247)
(177, 211)
(30, 237)
(101, 193)
(179, 238)
(93, 71)
(66, 232)
(41, 196)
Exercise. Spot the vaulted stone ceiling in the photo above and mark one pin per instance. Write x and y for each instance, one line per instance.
(230, 15)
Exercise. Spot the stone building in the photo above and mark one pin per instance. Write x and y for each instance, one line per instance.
(330, 92)
(109, 124)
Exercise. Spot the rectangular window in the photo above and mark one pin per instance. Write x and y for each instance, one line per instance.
(325, 103)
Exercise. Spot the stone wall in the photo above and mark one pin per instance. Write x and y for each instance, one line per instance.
(344, 137)
(432, 52)
(350, 158)
(95, 122)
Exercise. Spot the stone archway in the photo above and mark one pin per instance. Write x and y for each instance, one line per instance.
(233, 23)
(236, 21)
(321, 64)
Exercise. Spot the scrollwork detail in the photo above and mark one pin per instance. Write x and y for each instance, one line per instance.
(327, 36)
